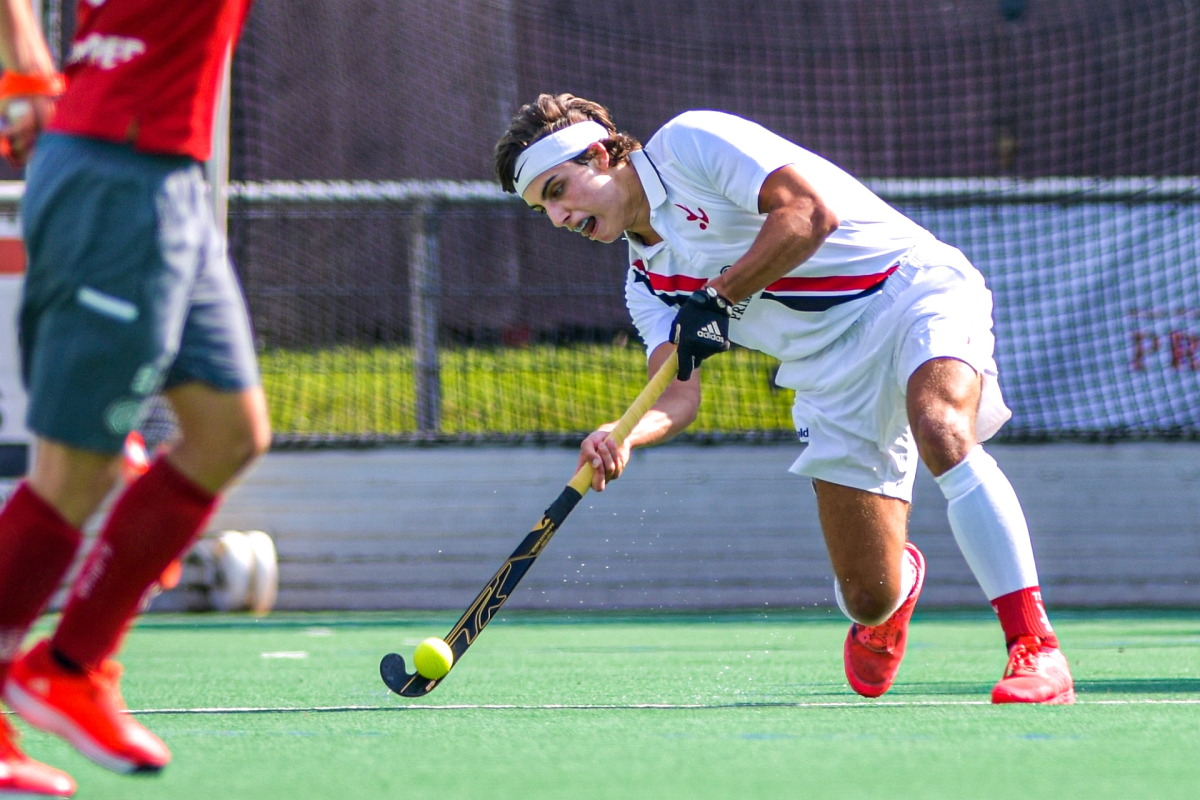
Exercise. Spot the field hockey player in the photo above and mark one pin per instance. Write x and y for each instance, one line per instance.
(737, 235)
(128, 292)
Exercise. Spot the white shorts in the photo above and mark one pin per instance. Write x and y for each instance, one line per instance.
(850, 397)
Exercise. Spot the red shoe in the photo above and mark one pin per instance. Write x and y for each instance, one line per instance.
(85, 709)
(21, 776)
(873, 654)
(1035, 674)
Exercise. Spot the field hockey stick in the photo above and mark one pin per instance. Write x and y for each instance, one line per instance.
(501, 586)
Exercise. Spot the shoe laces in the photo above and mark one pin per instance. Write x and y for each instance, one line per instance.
(1024, 656)
(107, 678)
(880, 638)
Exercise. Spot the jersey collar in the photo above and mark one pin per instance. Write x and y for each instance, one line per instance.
(647, 173)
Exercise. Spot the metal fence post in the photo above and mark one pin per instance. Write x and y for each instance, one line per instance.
(424, 280)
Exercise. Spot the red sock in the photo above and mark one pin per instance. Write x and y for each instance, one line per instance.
(36, 548)
(1022, 614)
(153, 522)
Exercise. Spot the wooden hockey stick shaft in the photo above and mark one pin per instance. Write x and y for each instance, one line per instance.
(502, 584)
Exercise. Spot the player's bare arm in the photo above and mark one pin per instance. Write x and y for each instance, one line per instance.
(798, 222)
(674, 411)
(30, 81)
(22, 48)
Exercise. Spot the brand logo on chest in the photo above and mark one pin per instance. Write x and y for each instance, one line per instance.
(695, 216)
(106, 52)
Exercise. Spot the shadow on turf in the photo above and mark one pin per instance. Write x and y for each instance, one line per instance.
(1140, 686)
(1092, 687)
(941, 688)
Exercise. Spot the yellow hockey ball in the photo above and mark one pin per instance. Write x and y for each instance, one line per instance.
(433, 658)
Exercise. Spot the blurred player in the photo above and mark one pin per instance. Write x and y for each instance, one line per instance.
(129, 291)
(738, 235)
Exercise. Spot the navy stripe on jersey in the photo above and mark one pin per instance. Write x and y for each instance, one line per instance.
(799, 294)
(671, 298)
(819, 302)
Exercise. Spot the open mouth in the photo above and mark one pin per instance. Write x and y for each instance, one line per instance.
(586, 228)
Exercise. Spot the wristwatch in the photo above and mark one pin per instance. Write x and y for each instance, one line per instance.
(721, 302)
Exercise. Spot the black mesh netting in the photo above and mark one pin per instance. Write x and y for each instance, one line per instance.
(1096, 282)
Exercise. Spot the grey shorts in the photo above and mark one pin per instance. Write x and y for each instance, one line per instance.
(129, 290)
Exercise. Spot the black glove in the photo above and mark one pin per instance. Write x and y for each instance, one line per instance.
(700, 329)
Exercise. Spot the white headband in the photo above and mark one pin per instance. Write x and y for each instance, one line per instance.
(562, 145)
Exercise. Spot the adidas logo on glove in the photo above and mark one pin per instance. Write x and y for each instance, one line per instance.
(711, 331)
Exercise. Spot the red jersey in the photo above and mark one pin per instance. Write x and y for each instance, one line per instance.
(146, 72)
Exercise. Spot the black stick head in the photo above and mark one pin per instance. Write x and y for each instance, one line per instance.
(398, 679)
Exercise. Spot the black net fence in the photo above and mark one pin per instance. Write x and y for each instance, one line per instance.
(397, 296)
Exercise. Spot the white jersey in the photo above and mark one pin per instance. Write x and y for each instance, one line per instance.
(702, 173)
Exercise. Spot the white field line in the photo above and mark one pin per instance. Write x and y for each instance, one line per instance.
(633, 706)
(1190, 701)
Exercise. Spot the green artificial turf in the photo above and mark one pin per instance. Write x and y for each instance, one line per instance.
(750, 705)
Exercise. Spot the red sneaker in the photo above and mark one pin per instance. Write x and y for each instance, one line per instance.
(85, 709)
(873, 654)
(1035, 674)
(21, 776)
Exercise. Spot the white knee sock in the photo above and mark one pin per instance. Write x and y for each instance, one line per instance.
(989, 525)
(908, 577)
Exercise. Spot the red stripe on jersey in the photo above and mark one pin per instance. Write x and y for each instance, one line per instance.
(670, 283)
(825, 283)
(831, 283)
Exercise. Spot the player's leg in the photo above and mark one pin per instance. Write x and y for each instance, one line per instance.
(39, 534)
(220, 432)
(69, 685)
(44, 688)
(81, 347)
(159, 516)
(989, 526)
(877, 579)
(849, 412)
(154, 521)
(865, 535)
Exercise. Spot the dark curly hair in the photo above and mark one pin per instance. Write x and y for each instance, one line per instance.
(547, 114)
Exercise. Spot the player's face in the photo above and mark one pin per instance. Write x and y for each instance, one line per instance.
(583, 198)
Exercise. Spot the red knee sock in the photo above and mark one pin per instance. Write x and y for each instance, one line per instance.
(36, 548)
(1023, 614)
(152, 523)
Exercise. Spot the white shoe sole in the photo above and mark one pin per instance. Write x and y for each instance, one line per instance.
(1066, 698)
